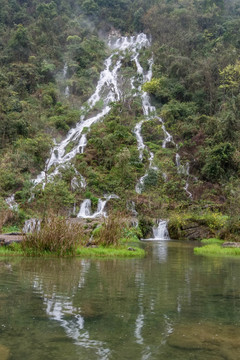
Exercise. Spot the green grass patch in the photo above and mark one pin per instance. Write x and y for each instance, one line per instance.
(129, 240)
(12, 250)
(212, 241)
(216, 250)
(101, 251)
(110, 252)
(10, 229)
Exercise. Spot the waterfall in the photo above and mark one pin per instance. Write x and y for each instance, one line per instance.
(85, 211)
(31, 226)
(160, 232)
(184, 170)
(64, 75)
(149, 112)
(11, 202)
(107, 89)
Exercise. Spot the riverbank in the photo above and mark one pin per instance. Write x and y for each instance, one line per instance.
(217, 247)
(121, 251)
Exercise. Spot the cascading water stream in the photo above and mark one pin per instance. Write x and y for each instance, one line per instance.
(160, 232)
(85, 211)
(108, 90)
(184, 170)
(149, 112)
(64, 74)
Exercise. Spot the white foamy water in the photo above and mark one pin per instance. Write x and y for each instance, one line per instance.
(85, 211)
(107, 90)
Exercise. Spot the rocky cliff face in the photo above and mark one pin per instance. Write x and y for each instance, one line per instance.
(190, 230)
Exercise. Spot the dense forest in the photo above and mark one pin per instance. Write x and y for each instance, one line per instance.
(46, 46)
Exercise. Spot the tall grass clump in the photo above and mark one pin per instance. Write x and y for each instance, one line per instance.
(57, 235)
(110, 232)
(5, 216)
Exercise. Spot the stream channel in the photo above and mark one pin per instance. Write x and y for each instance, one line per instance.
(169, 305)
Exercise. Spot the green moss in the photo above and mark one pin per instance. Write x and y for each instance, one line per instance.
(216, 250)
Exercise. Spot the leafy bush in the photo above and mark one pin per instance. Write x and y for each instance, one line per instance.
(145, 225)
(218, 162)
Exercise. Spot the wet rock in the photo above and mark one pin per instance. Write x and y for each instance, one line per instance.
(7, 239)
(231, 244)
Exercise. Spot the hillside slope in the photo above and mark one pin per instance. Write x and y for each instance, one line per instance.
(174, 149)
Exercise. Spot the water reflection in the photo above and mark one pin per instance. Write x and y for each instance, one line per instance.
(120, 309)
(61, 309)
(160, 251)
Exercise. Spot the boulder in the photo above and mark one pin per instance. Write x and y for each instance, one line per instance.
(231, 244)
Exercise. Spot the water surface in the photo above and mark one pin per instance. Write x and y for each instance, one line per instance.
(169, 305)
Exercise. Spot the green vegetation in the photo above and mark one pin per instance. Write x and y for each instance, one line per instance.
(46, 46)
(212, 241)
(109, 252)
(213, 246)
(216, 250)
(207, 223)
(122, 251)
(14, 249)
(59, 236)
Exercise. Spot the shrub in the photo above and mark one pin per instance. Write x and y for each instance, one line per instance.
(219, 161)
(57, 235)
(145, 225)
(110, 232)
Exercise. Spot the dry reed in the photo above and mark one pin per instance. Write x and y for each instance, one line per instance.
(111, 230)
(57, 235)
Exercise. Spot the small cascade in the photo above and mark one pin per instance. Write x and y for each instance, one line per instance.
(65, 70)
(184, 170)
(31, 225)
(85, 211)
(76, 183)
(64, 74)
(67, 91)
(178, 163)
(11, 202)
(141, 145)
(160, 232)
(149, 112)
(131, 206)
(82, 143)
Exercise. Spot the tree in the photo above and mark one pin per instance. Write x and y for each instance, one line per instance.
(19, 44)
